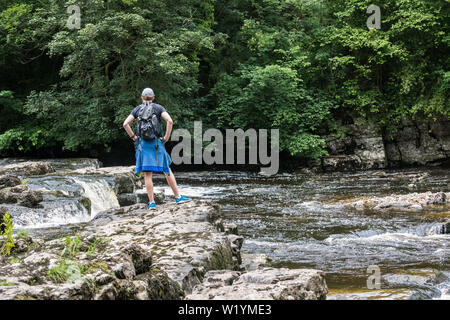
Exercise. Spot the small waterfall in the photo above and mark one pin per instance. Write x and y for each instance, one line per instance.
(54, 213)
(63, 203)
(100, 194)
(437, 228)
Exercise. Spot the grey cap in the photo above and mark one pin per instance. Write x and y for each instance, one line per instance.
(148, 91)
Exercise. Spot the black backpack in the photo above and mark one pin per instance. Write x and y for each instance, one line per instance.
(149, 125)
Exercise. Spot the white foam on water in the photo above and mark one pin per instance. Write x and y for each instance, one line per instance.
(433, 229)
(444, 297)
(389, 236)
(63, 212)
(100, 194)
(264, 244)
(68, 212)
(189, 191)
(444, 288)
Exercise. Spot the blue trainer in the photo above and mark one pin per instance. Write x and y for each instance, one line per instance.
(182, 199)
(151, 206)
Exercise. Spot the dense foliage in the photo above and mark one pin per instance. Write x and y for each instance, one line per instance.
(289, 64)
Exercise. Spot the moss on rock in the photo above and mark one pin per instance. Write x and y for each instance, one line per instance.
(86, 202)
(161, 287)
(222, 258)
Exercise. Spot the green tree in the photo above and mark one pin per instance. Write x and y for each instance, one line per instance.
(274, 86)
(296, 65)
(398, 71)
(122, 47)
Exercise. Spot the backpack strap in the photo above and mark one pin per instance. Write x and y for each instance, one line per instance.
(139, 112)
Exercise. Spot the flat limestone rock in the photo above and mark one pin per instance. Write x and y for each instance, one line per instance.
(27, 168)
(125, 253)
(9, 181)
(262, 284)
(22, 195)
(180, 237)
(134, 253)
(253, 261)
(414, 202)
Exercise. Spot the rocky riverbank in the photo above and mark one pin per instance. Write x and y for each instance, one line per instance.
(362, 145)
(90, 237)
(125, 252)
(133, 253)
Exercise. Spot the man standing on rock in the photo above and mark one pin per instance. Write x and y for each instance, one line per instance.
(151, 155)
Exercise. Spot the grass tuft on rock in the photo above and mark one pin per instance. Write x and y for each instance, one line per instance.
(22, 234)
(7, 235)
(72, 246)
(14, 260)
(66, 270)
(98, 244)
(4, 283)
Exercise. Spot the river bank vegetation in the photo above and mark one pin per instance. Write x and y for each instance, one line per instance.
(290, 64)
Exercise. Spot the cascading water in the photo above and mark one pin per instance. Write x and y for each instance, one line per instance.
(52, 214)
(100, 194)
(67, 200)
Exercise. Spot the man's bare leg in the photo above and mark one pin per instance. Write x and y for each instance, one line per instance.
(149, 186)
(172, 183)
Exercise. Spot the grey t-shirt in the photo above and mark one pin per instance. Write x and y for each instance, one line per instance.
(159, 109)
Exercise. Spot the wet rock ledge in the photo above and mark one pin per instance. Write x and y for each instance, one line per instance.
(132, 253)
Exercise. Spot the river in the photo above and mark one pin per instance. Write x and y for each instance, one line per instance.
(297, 220)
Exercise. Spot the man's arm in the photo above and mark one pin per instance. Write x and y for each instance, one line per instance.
(126, 126)
(169, 121)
